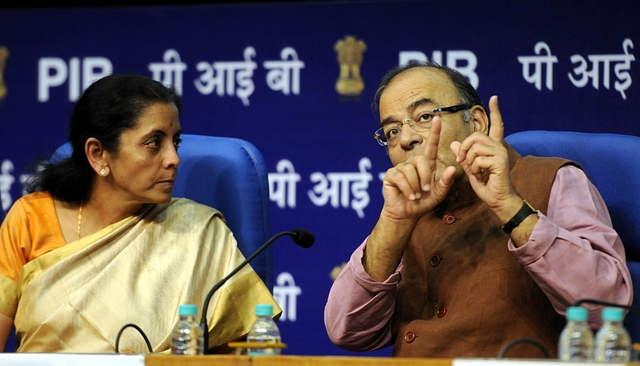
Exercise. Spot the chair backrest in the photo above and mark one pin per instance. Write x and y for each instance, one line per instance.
(611, 162)
(230, 175)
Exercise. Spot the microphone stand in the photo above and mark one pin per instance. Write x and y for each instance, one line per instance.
(205, 307)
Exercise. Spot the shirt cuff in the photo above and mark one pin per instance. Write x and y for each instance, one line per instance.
(544, 234)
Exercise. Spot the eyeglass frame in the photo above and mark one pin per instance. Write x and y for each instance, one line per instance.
(379, 134)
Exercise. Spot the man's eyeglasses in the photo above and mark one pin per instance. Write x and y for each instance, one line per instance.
(387, 135)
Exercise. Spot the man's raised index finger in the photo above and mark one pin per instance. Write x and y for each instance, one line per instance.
(496, 131)
(433, 139)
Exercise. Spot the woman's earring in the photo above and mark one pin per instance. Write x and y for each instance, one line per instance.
(103, 172)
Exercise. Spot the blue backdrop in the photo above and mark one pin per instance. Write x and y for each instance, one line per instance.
(297, 79)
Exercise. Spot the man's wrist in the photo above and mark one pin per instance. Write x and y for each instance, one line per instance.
(525, 211)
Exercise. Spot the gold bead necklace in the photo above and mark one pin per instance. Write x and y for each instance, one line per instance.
(79, 220)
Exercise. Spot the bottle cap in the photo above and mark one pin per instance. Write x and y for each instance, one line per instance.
(264, 310)
(577, 313)
(188, 309)
(612, 314)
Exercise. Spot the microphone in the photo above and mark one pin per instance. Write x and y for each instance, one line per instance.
(299, 236)
(302, 237)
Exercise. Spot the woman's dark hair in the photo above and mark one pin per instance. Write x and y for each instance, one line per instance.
(468, 94)
(108, 107)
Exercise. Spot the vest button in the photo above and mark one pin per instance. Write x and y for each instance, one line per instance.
(441, 311)
(435, 261)
(449, 218)
(409, 337)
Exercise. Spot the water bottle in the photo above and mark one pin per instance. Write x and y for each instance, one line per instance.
(264, 330)
(187, 338)
(613, 343)
(576, 339)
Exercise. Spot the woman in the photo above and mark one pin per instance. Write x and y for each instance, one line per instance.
(99, 242)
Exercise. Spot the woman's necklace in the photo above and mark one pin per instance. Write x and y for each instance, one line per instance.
(79, 220)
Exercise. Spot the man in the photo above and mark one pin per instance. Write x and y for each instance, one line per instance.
(459, 264)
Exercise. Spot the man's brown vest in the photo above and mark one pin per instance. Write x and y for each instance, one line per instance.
(462, 294)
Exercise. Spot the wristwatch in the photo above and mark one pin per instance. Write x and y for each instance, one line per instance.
(522, 214)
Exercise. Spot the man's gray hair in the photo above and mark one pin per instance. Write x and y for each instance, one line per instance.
(467, 93)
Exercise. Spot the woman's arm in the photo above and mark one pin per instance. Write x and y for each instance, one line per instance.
(6, 324)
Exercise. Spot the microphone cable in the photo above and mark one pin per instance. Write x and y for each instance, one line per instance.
(524, 340)
(144, 336)
(606, 303)
(577, 303)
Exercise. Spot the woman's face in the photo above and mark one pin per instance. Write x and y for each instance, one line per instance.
(145, 168)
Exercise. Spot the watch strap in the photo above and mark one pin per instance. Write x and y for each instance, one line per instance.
(517, 219)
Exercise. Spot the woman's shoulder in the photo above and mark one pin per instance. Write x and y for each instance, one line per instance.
(32, 221)
(186, 203)
(38, 201)
(183, 212)
(190, 208)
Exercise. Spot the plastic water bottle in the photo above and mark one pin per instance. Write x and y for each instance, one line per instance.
(613, 343)
(264, 330)
(576, 339)
(187, 336)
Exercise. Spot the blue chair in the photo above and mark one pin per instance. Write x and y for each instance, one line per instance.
(611, 163)
(230, 175)
(10, 346)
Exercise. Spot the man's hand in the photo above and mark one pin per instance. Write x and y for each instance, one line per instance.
(412, 188)
(485, 160)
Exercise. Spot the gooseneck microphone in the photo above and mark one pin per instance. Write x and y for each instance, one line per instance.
(299, 236)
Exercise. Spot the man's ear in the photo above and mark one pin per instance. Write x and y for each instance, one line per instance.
(480, 119)
(96, 154)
